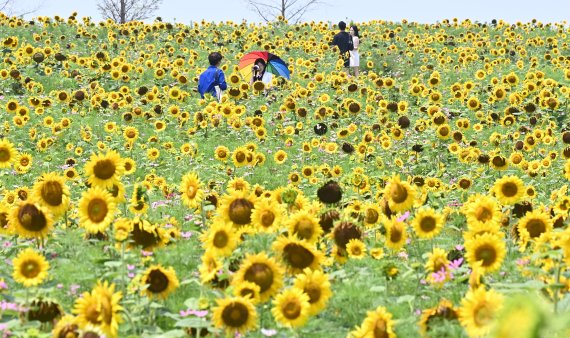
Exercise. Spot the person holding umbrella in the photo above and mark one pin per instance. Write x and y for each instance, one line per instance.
(258, 73)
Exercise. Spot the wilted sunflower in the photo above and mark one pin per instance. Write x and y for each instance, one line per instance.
(191, 189)
(100, 308)
(263, 271)
(66, 327)
(104, 170)
(378, 323)
(44, 310)
(235, 315)
(509, 190)
(30, 268)
(400, 195)
(479, 310)
(488, 249)
(96, 210)
(317, 286)
(444, 310)
(427, 223)
(304, 225)
(159, 282)
(267, 215)
(220, 239)
(146, 235)
(30, 220)
(50, 191)
(297, 254)
(7, 153)
(291, 308)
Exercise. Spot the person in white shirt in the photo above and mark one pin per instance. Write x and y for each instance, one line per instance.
(354, 61)
(258, 73)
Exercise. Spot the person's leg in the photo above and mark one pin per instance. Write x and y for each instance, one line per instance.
(356, 71)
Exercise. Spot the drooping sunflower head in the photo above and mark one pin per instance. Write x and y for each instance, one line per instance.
(400, 195)
(444, 310)
(160, 281)
(297, 254)
(146, 235)
(235, 315)
(44, 310)
(30, 268)
(30, 220)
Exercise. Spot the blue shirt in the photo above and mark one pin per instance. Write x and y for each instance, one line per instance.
(210, 78)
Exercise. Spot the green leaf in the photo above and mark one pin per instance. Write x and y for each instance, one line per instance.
(191, 322)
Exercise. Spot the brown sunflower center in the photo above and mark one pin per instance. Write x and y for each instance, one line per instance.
(106, 309)
(4, 155)
(305, 229)
(291, 309)
(483, 214)
(240, 157)
(24, 161)
(267, 218)
(398, 193)
(314, 293)
(395, 235)
(31, 218)
(92, 314)
(52, 193)
(509, 189)
(240, 211)
(30, 269)
(371, 216)
(97, 210)
(191, 192)
(483, 314)
(235, 314)
(104, 169)
(535, 227)
(221, 239)
(487, 254)
(298, 256)
(380, 329)
(260, 274)
(157, 281)
(427, 224)
(3, 219)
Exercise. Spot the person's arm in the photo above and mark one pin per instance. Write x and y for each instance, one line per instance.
(334, 41)
(201, 85)
(222, 81)
(356, 42)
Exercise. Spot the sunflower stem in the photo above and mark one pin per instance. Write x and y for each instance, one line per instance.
(557, 281)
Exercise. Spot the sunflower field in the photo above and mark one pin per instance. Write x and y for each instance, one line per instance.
(427, 197)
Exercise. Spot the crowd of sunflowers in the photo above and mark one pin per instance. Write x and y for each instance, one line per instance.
(426, 197)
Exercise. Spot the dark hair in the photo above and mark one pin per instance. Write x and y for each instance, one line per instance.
(355, 29)
(260, 60)
(342, 25)
(214, 58)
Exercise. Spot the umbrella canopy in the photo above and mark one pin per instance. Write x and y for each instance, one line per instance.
(275, 65)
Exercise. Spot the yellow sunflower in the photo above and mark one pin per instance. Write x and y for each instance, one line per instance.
(291, 307)
(378, 323)
(487, 248)
(482, 211)
(509, 190)
(444, 310)
(30, 220)
(304, 225)
(400, 195)
(534, 224)
(96, 210)
(30, 268)
(427, 223)
(396, 234)
(50, 191)
(160, 282)
(220, 239)
(356, 248)
(267, 215)
(479, 310)
(263, 271)
(191, 189)
(237, 208)
(7, 153)
(297, 254)
(247, 290)
(235, 315)
(104, 170)
(317, 286)
(100, 308)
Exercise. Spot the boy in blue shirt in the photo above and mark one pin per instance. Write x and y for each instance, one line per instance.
(212, 80)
